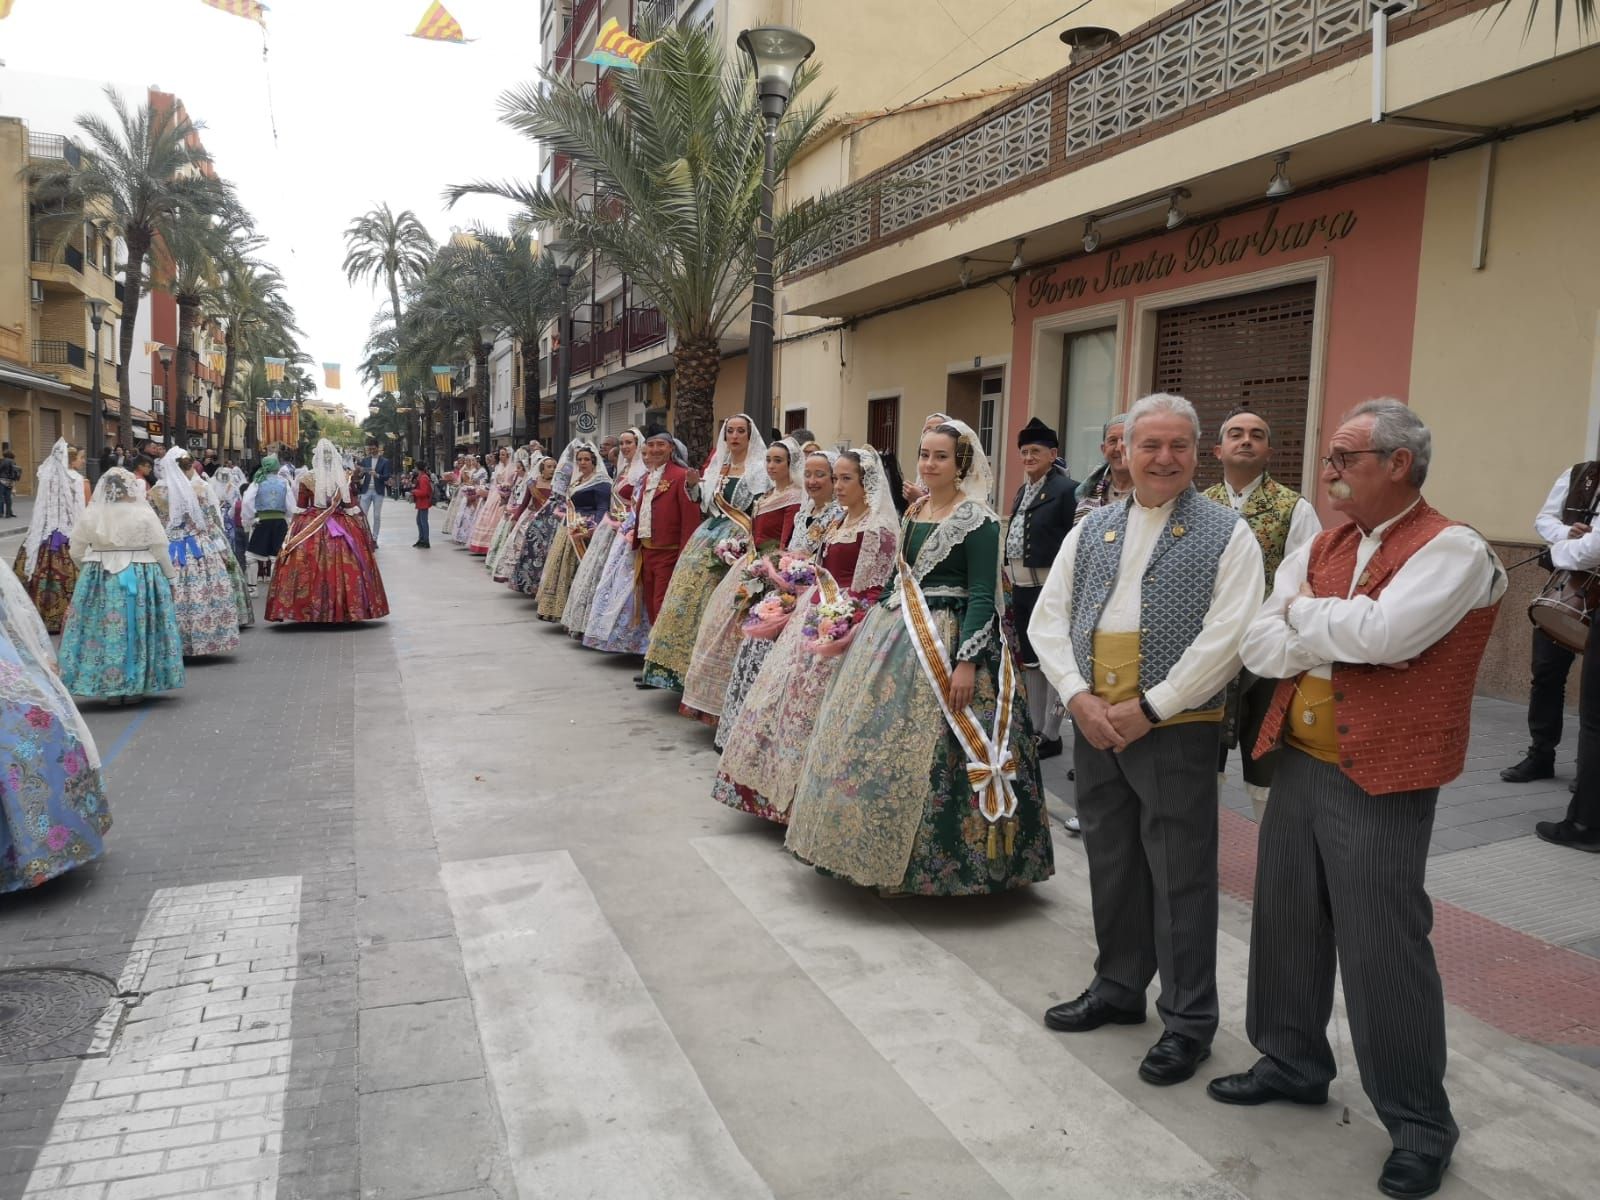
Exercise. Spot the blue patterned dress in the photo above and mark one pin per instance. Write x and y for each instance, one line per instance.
(208, 615)
(121, 637)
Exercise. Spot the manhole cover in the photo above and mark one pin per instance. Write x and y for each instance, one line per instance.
(43, 1006)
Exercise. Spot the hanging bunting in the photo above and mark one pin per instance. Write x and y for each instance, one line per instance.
(252, 10)
(277, 420)
(613, 47)
(219, 363)
(330, 372)
(444, 379)
(150, 348)
(437, 25)
(275, 368)
(390, 374)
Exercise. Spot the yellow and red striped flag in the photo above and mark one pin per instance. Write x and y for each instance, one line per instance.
(5, 9)
(252, 10)
(614, 47)
(444, 380)
(274, 368)
(437, 25)
(277, 420)
(330, 371)
(390, 373)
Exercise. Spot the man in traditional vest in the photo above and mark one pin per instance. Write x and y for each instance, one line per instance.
(1282, 522)
(1041, 517)
(1111, 481)
(1568, 513)
(1138, 628)
(665, 519)
(1376, 630)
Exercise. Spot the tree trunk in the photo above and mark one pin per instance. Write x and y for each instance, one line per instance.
(132, 276)
(188, 317)
(532, 405)
(228, 364)
(694, 388)
(480, 358)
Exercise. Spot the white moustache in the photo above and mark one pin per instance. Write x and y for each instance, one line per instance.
(1339, 490)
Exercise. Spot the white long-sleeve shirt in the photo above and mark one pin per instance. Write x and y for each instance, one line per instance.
(247, 506)
(1548, 524)
(1425, 599)
(1567, 553)
(1211, 660)
(1304, 524)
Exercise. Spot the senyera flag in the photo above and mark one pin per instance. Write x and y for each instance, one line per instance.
(277, 420)
(615, 47)
(253, 10)
(437, 25)
(444, 380)
(330, 371)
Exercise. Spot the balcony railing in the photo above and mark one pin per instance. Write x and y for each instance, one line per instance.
(70, 255)
(582, 355)
(54, 146)
(646, 327)
(60, 354)
(567, 47)
(1191, 58)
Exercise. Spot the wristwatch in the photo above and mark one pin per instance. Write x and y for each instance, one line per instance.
(1150, 714)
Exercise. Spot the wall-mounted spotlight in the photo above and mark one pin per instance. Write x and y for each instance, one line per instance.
(1016, 258)
(1280, 183)
(965, 274)
(1175, 214)
(1091, 237)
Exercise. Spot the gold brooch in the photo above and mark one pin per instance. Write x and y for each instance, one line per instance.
(1111, 535)
(1178, 531)
(1366, 578)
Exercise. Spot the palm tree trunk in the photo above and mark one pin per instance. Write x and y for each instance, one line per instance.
(188, 316)
(228, 364)
(480, 358)
(694, 387)
(132, 275)
(531, 410)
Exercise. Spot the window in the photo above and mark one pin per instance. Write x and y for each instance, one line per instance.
(1088, 396)
(989, 393)
(794, 418)
(883, 423)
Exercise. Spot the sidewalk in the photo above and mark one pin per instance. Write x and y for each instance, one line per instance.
(18, 525)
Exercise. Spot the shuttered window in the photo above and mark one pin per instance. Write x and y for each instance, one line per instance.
(49, 428)
(1252, 350)
(882, 423)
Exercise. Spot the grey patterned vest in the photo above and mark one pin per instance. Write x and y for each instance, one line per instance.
(1176, 589)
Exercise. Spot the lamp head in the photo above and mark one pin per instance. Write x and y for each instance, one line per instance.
(1091, 237)
(1280, 184)
(164, 353)
(97, 306)
(776, 53)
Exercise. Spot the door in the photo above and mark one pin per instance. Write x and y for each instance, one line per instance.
(883, 423)
(1088, 396)
(1251, 351)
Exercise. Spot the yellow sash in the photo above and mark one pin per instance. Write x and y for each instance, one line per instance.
(1118, 654)
(1319, 737)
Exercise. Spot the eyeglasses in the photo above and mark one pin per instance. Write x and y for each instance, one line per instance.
(1339, 460)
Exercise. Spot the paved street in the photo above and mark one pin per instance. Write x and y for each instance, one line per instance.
(441, 907)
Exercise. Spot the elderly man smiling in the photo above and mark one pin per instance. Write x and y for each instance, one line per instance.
(1138, 628)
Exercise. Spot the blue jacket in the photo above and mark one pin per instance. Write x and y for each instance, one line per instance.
(380, 472)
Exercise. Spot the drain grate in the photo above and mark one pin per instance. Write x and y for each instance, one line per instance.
(45, 1011)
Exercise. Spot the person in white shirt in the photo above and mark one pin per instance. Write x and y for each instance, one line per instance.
(1138, 629)
(1283, 522)
(1568, 513)
(372, 474)
(1376, 631)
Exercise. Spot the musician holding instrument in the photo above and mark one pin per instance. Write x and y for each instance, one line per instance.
(1568, 513)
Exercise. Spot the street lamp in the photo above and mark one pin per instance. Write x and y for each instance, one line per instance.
(776, 53)
(97, 417)
(486, 337)
(429, 399)
(566, 256)
(164, 353)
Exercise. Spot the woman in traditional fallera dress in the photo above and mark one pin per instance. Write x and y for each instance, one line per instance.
(618, 622)
(53, 813)
(44, 564)
(501, 481)
(588, 499)
(327, 571)
(771, 523)
(210, 493)
(630, 470)
(907, 788)
(765, 745)
(536, 494)
(121, 639)
(208, 617)
(453, 479)
(474, 488)
(508, 511)
(735, 478)
(528, 566)
(817, 513)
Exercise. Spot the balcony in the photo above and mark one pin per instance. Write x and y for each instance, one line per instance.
(646, 327)
(55, 147)
(582, 355)
(567, 47)
(60, 354)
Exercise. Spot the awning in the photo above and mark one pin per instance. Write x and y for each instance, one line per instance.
(24, 378)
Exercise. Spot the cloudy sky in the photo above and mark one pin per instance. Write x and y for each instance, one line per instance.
(364, 113)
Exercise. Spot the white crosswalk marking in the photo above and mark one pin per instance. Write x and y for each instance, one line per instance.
(599, 1099)
(190, 1098)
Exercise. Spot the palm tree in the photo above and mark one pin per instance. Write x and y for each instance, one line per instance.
(677, 169)
(1585, 12)
(256, 320)
(382, 247)
(150, 173)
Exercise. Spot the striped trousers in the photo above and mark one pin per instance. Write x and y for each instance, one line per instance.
(1149, 819)
(1340, 872)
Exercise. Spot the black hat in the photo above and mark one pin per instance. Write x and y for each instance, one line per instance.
(1037, 433)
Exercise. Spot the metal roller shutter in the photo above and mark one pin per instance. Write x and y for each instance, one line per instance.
(1252, 350)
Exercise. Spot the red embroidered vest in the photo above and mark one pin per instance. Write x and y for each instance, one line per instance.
(1399, 731)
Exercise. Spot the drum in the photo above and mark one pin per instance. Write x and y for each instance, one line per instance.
(1562, 611)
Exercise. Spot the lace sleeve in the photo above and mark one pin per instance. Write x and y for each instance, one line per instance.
(875, 565)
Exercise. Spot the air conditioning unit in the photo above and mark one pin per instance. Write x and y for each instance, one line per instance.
(36, 291)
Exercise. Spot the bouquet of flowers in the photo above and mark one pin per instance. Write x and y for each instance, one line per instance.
(732, 548)
(783, 578)
(830, 624)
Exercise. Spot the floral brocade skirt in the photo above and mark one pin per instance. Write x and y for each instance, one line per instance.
(121, 637)
(555, 581)
(497, 544)
(331, 577)
(883, 798)
(528, 567)
(488, 517)
(580, 596)
(677, 626)
(617, 623)
(461, 531)
(208, 615)
(705, 684)
(54, 576)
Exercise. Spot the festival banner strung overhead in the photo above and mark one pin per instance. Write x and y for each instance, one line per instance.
(275, 368)
(615, 48)
(277, 420)
(219, 363)
(390, 374)
(330, 372)
(251, 10)
(444, 379)
(437, 25)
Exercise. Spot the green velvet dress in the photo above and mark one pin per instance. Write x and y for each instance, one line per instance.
(884, 799)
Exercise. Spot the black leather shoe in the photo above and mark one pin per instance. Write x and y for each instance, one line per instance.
(643, 686)
(1049, 748)
(1249, 1088)
(1569, 833)
(1173, 1059)
(1407, 1174)
(1088, 1012)
(1533, 766)
(638, 678)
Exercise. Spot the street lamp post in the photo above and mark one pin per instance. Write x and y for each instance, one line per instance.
(97, 417)
(429, 398)
(486, 336)
(176, 426)
(566, 255)
(777, 53)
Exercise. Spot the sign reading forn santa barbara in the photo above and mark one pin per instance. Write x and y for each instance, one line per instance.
(1205, 249)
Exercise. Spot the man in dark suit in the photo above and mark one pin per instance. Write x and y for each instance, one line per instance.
(1041, 518)
(372, 484)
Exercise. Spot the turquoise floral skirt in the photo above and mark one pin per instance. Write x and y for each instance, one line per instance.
(121, 636)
